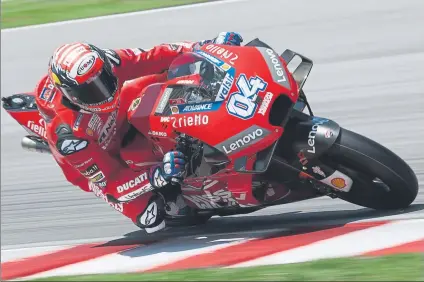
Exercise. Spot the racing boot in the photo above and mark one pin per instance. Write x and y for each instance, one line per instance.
(152, 219)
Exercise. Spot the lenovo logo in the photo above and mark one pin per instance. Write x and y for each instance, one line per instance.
(277, 65)
(248, 137)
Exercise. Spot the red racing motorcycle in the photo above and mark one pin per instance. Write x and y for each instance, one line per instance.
(238, 114)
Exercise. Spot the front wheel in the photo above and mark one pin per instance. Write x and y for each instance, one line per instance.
(381, 179)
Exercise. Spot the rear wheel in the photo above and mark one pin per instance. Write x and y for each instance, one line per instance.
(381, 179)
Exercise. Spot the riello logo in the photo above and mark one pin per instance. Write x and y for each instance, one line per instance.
(39, 128)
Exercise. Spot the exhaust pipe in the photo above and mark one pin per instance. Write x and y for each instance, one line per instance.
(35, 144)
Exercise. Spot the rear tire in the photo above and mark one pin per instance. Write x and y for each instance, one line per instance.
(364, 161)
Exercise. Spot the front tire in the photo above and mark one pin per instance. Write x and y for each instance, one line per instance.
(381, 179)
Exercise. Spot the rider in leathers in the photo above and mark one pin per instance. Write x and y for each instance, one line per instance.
(84, 100)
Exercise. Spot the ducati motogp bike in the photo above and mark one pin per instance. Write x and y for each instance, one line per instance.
(244, 123)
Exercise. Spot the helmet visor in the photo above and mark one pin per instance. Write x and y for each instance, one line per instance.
(99, 90)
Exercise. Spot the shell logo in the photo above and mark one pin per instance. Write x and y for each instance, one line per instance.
(174, 109)
(338, 182)
(89, 131)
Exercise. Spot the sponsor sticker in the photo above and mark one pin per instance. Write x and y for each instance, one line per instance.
(134, 104)
(83, 163)
(99, 193)
(86, 64)
(89, 131)
(77, 122)
(328, 134)
(225, 88)
(265, 103)
(200, 107)
(246, 138)
(157, 133)
(39, 128)
(338, 182)
(48, 93)
(94, 124)
(222, 53)
(91, 170)
(134, 194)
(177, 101)
(97, 177)
(175, 110)
(273, 61)
(163, 101)
(132, 183)
(210, 58)
(184, 121)
(242, 104)
(318, 170)
(313, 133)
(106, 132)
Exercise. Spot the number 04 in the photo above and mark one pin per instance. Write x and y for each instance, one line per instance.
(241, 104)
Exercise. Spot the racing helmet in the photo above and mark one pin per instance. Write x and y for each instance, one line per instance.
(84, 74)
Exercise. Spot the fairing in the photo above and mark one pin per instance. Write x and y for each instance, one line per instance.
(23, 109)
(216, 96)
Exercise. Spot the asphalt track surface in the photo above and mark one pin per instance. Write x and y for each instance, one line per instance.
(368, 76)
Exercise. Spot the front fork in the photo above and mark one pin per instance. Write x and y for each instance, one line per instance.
(305, 139)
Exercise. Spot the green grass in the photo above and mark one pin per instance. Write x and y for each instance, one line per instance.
(16, 13)
(409, 267)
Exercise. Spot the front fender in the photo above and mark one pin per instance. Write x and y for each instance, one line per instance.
(313, 137)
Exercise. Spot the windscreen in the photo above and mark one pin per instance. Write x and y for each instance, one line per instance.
(201, 80)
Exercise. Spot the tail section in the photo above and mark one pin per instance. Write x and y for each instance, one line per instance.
(23, 109)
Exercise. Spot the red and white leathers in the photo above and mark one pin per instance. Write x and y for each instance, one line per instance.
(102, 153)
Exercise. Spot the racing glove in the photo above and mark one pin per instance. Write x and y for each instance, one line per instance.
(172, 170)
(226, 38)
